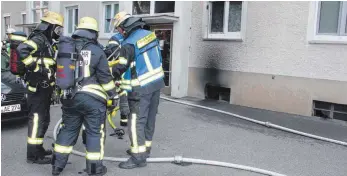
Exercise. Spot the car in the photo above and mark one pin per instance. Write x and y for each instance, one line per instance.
(13, 94)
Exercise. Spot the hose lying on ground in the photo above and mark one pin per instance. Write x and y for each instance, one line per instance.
(267, 124)
(179, 159)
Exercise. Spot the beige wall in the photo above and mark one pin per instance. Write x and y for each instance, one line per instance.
(278, 93)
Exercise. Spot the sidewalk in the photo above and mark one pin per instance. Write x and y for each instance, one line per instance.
(334, 129)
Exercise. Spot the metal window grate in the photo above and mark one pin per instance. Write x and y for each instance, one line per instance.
(329, 110)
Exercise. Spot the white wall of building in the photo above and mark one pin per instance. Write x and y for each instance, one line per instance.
(275, 43)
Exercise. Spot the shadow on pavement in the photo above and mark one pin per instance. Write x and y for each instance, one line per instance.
(17, 124)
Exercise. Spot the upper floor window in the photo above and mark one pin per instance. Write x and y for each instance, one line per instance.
(71, 19)
(328, 22)
(7, 21)
(110, 10)
(152, 7)
(38, 9)
(225, 20)
(332, 18)
(24, 19)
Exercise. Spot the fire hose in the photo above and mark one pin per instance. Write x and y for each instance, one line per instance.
(179, 160)
(184, 161)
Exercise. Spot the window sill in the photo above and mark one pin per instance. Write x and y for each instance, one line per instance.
(231, 37)
(326, 39)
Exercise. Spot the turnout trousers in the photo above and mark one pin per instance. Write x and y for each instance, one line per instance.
(39, 118)
(141, 124)
(91, 112)
(124, 110)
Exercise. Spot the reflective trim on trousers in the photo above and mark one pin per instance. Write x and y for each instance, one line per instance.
(33, 139)
(133, 130)
(139, 149)
(93, 155)
(102, 140)
(148, 143)
(62, 149)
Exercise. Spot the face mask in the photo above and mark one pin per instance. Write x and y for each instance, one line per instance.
(58, 30)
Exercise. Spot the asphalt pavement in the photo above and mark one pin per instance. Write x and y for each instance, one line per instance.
(198, 133)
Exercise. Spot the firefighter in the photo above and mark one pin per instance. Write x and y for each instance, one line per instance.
(112, 51)
(6, 42)
(87, 105)
(141, 53)
(37, 53)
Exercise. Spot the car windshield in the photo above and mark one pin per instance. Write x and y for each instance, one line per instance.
(4, 61)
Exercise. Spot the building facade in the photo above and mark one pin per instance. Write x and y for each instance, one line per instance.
(282, 56)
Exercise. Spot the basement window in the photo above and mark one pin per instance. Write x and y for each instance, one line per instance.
(216, 92)
(329, 110)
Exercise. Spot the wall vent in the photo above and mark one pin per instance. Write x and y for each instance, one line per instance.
(329, 110)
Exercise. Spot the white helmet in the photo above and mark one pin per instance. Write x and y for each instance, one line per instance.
(10, 31)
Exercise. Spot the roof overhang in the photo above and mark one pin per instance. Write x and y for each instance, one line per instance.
(159, 19)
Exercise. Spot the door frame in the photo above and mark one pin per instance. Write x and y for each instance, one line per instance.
(155, 27)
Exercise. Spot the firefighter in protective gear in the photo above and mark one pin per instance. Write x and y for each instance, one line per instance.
(37, 53)
(6, 42)
(88, 105)
(112, 51)
(141, 53)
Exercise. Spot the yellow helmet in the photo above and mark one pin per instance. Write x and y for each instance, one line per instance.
(120, 17)
(53, 18)
(88, 23)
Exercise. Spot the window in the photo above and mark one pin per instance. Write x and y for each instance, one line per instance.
(164, 7)
(38, 9)
(329, 110)
(153, 7)
(7, 20)
(225, 20)
(332, 18)
(330, 22)
(24, 20)
(110, 10)
(72, 19)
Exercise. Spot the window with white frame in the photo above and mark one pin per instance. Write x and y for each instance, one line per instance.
(71, 19)
(332, 16)
(110, 10)
(328, 22)
(152, 7)
(225, 20)
(7, 21)
(38, 9)
(24, 19)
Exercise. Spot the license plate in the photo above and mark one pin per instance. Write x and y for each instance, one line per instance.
(10, 108)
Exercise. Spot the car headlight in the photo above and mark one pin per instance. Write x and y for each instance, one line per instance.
(5, 89)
